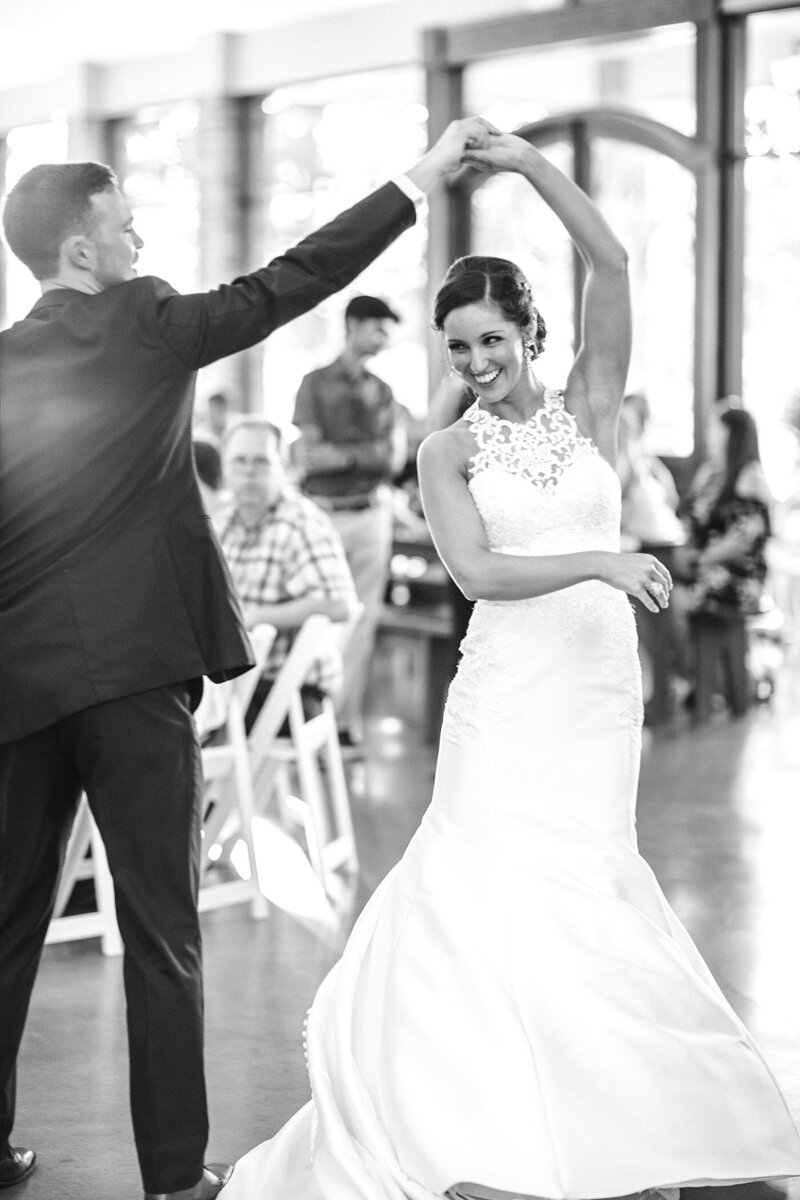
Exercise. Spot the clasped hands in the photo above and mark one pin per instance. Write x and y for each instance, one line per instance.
(470, 142)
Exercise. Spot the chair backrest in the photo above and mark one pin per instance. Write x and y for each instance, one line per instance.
(261, 639)
(310, 642)
(212, 712)
(321, 804)
(342, 631)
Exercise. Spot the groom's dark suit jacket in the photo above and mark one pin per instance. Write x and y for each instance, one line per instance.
(111, 580)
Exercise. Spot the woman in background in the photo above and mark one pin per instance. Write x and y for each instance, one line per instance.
(729, 532)
(650, 524)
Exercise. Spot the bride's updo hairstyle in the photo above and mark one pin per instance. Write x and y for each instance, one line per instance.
(477, 278)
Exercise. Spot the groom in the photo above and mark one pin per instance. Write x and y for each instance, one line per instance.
(114, 603)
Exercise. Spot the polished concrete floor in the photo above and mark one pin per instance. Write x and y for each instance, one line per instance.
(719, 821)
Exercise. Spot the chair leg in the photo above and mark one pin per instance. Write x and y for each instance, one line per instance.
(312, 792)
(244, 792)
(340, 801)
(110, 940)
(77, 847)
(221, 812)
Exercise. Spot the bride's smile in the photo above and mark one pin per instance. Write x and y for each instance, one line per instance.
(488, 351)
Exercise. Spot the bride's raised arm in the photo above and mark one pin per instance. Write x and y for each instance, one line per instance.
(596, 381)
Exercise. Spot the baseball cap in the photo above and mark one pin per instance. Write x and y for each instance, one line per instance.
(362, 308)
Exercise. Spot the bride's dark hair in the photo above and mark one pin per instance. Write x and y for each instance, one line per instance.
(478, 277)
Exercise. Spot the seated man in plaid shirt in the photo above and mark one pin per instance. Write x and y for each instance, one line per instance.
(284, 554)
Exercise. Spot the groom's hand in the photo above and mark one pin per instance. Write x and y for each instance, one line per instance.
(447, 154)
(504, 152)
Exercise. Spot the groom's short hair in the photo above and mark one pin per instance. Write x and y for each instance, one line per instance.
(48, 204)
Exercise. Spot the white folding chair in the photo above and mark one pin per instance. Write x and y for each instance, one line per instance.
(312, 751)
(85, 856)
(229, 803)
(86, 859)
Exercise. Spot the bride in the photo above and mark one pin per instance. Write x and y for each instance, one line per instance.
(518, 1012)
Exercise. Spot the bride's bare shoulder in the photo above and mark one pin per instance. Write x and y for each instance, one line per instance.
(447, 448)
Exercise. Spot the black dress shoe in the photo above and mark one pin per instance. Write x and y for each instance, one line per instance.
(16, 1166)
(210, 1184)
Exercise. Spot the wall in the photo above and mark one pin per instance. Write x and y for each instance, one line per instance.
(238, 64)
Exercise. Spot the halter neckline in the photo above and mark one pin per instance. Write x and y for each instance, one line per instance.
(552, 398)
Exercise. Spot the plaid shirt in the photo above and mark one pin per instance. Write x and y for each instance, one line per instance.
(294, 552)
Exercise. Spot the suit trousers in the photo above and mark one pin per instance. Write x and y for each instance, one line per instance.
(138, 760)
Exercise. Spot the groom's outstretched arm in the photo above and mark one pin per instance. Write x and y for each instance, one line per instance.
(206, 326)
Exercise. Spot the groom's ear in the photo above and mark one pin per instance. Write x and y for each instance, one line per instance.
(78, 251)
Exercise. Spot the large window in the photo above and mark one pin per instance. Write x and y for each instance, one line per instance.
(651, 73)
(26, 147)
(771, 378)
(511, 221)
(611, 101)
(158, 157)
(314, 166)
(649, 201)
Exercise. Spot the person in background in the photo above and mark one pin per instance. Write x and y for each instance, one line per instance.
(650, 525)
(449, 402)
(351, 444)
(213, 422)
(693, 505)
(707, 479)
(730, 527)
(284, 555)
(649, 495)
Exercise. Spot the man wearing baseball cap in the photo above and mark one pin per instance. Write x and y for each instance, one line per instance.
(362, 309)
(352, 441)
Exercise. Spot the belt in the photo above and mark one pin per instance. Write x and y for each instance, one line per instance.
(346, 503)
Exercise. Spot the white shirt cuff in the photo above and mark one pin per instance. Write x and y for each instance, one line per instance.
(410, 189)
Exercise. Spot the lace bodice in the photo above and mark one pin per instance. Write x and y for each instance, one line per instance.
(541, 486)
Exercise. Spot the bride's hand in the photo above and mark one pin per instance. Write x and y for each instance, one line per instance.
(446, 157)
(502, 152)
(640, 575)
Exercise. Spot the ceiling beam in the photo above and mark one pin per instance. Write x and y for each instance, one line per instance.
(602, 18)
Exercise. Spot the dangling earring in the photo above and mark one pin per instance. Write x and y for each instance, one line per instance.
(531, 352)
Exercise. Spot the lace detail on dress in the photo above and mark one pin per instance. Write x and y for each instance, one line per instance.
(539, 449)
(499, 643)
(309, 1073)
(495, 650)
(573, 505)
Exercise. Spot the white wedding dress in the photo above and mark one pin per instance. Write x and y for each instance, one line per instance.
(517, 1005)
